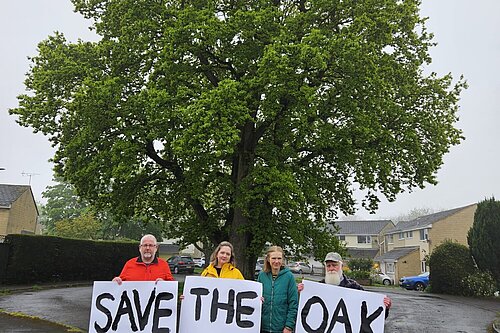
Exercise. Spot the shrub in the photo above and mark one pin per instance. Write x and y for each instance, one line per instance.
(478, 284)
(449, 263)
(361, 264)
(483, 237)
(356, 275)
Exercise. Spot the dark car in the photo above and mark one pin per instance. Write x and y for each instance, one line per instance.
(418, 282)
(180, 264)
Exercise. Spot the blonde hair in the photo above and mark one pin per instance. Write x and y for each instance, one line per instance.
(213, 257)
(273, 248)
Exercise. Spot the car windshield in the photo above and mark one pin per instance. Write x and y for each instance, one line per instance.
(424, 274)
(187, 258)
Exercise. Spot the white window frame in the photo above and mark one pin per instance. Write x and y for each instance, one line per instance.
(423, 266)
(389, 267)
(401, 235)
(424, 234)
(409, 234)
(390, 239)
(367, 239)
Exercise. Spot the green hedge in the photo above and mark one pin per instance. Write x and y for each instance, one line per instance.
(39, 259)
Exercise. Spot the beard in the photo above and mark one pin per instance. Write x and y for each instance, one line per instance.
(333, 278)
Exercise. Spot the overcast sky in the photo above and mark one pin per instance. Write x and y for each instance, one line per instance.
(467, 36)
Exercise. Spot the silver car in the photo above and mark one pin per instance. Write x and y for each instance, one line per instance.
(199, 262)
(300, 267)
(382, 278)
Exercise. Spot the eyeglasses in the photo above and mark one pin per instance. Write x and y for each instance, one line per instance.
(148, 245)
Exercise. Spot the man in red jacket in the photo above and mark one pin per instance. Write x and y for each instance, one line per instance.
(147, 266)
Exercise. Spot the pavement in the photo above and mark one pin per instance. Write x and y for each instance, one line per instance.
(65, 307)
(45, 308)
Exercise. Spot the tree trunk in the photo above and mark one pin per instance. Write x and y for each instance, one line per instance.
(241, 240)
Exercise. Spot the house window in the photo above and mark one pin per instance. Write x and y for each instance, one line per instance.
(364, 239)
(424, 234)
(389, 267)
(390, 239)
(423, 266)
(341, 237)
(409, 234)
(401, 235)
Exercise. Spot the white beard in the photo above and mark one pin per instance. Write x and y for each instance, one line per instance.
(332, 278)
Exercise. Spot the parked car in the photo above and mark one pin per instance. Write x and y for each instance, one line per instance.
(180, 264)
(199, 262)
(382, 278)
(259, 266)
(300, 267)
(418, 282)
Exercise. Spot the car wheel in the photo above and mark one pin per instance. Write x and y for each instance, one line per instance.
(386, 282)
(419, 286)
(176, 270)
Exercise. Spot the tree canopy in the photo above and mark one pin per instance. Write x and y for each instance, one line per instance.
(244, 120)
(67, 215)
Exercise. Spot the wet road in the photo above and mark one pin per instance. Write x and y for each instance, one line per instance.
(417, 312)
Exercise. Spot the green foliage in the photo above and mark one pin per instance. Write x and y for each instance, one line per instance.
(483, 237)
(246, 121)
(63, 203)
(360, 268)
(361, 264)
(358, 274)
(37, 259)
(449, 264)
(478, 284)
(67, 215)
(85, 226)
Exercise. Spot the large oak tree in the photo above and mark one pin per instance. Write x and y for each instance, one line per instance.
(244, 120)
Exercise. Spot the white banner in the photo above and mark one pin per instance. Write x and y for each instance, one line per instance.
(332, 309)
(134, 307)
(213, 305)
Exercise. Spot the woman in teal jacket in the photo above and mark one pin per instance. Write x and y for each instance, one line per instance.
(279, 310)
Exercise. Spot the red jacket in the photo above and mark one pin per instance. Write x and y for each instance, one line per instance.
(136, 270)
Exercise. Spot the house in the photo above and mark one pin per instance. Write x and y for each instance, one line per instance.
(364, 239)
(410, 242)
(18, 210)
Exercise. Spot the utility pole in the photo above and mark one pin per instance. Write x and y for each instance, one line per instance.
(29, 174)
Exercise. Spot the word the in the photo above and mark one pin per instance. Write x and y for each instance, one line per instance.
(233, 307)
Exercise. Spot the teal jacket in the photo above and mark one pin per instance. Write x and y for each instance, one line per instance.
(281, 301)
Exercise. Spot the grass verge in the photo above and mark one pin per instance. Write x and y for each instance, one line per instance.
(20, 315)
